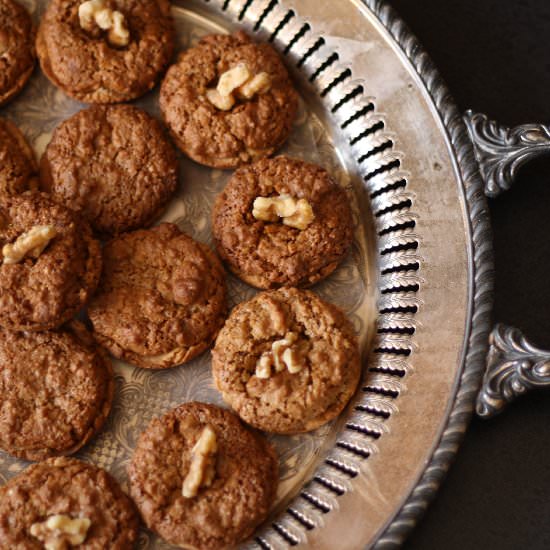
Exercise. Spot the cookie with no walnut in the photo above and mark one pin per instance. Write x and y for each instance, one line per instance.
(286, 361)
(50, 262)
(56, 390)
(161, 299)
(228, 101)
(65, 503)
(112, 163)
(282, 221)
(18, 168)
(201, 479)
(16, 49)
(105, 51)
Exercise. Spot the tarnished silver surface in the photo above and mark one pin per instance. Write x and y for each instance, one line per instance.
(501, 151)
(418, 281)
(514, 366)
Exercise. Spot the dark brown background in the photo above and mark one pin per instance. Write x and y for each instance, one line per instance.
(495, 58)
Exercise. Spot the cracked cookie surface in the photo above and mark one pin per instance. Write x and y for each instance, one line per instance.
(16, 49)
(88, 68)
(18, 167)
(56, 390)
(252, 128)
(239, 497)
(272, 254)
(161, 299)
(324, 347)
(66, 486)
(112, 163)
(42, 291)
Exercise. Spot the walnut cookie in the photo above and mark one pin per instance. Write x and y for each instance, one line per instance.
(286, 361)
(228, 101)
(282, 221)
(105, 51)
(161, 299)
(16, 49)
(201, 479)
(114, 164)
(63, 502)
(18, 167)
(56, 390)
(50, 262)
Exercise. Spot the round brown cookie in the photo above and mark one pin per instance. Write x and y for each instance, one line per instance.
(112, 163)
(18, 168)
(268, 254)
(88, 66)
(41, 289)
(16, 49)
(161, 298)
(235, 490)
(286, 361)
(71, 490)
(56, 390)
(252, 128)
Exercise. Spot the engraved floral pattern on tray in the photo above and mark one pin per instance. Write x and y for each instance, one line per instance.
(143, 394)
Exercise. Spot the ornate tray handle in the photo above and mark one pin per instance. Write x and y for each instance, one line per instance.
(514, 366)
(501, 151)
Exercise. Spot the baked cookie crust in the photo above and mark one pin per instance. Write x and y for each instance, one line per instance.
(319, 374)
(231, 507)
(56, 390)
(252, 128)
(112, 163)
(88, 68)
(161, 299)
(269, 254)
(16, 49)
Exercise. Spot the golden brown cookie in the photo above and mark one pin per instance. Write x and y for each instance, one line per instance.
(114, 164)
(16, 49)
(286, 361)
(52, 499)
(161, 298)
(116, 64)
(282, 221)
(56, 390)
(228, 475)
(254, 122)
(50, 262)
(18, 167)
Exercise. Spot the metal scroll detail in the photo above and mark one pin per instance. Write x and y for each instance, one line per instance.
(514, 366)
(501, 151)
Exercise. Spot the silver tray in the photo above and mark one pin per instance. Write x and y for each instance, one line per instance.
(417, 285)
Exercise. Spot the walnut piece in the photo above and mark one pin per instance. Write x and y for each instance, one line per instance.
(3, 42)
(96, 13)
(59, 532)
(294, 213)
(31, 243)
(282, 355)
(237, 80)
(203, 462)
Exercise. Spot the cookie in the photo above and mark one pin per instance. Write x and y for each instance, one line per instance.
(50, 262)
(112, 163)
(161, 298)
(286, 361)
(282, 221)
(227, 473)
(18, 168)
(240, 124)
(56, 390)
(16, 49)
(66, 503)
(119, 61)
